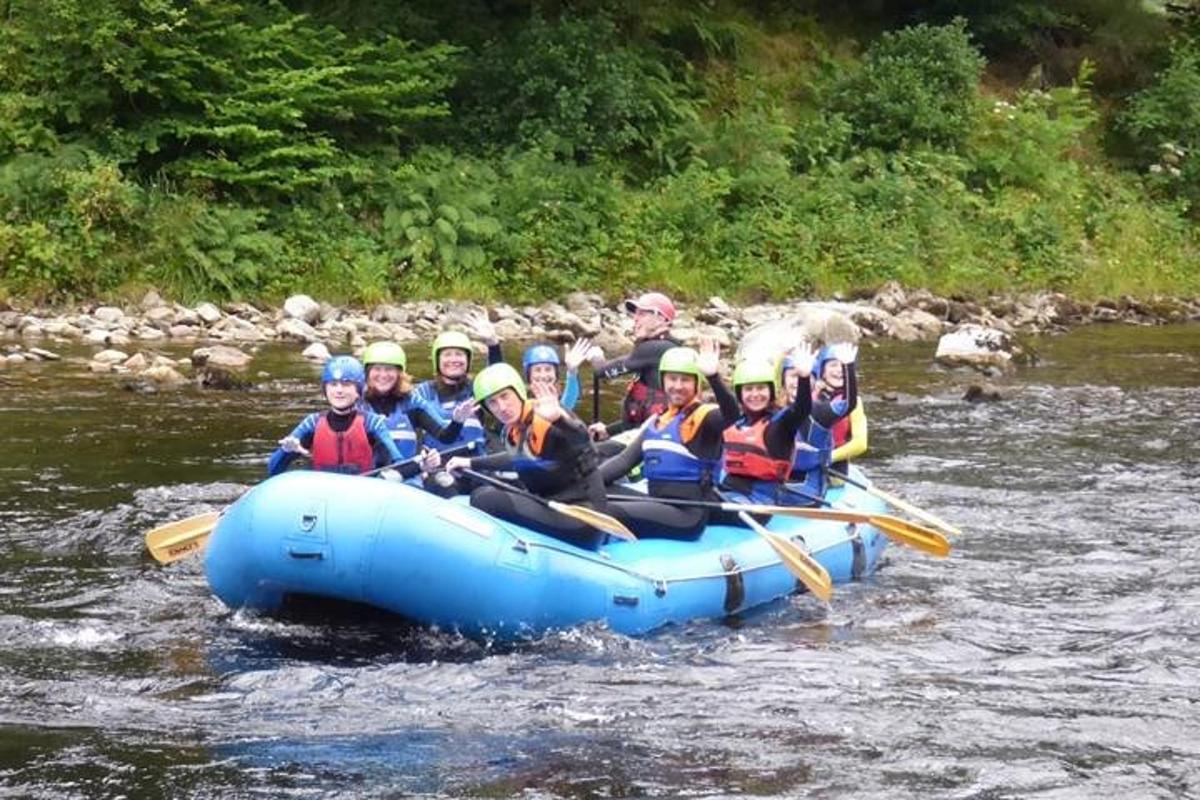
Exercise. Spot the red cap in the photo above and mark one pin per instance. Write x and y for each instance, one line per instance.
(657, 302)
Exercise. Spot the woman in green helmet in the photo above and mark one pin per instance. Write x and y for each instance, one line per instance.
(390, 394)
(550, 450)
(759, 444)
(451, 387)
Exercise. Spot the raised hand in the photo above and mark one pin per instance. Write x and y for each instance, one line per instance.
(803, 355)
(482, 328)
(596, 356)
(545, 402)
(845, 352)
(464, 411)
(290, 444)
(710, 356)
(576, 353)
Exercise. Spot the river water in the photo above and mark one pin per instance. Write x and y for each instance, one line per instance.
(1054, 654)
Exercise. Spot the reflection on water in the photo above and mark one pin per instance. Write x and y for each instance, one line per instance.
(1052, 654)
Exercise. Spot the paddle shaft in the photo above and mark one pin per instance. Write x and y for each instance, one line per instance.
(893, 500)
(595, 397)
(584, 514)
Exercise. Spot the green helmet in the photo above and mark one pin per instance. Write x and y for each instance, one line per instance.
(683, 360)
(385, 353)
(753, 371)
(497, 378)
(451, 339)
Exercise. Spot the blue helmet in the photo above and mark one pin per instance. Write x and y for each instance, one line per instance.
(539, 354)
(824, 356)
(344, 368)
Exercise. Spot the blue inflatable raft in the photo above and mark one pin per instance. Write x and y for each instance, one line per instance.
(442, 563)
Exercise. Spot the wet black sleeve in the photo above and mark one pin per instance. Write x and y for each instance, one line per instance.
(781, 433)
(730, 410)
(423, 422)
(495, 354)
(710, 437)
(619, 465)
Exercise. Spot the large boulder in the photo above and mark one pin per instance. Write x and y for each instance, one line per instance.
(220, 356)
(984, 349)
(302, 307)
(811, 322)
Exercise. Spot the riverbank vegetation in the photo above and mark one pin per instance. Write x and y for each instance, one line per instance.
(369, 150)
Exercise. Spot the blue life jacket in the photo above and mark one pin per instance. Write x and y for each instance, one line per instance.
(665, 455)
(472, 428)
(807, 481)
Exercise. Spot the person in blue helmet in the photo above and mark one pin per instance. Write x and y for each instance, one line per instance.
(836, 428)
(541, 365)
(343, 439)
(451, 387)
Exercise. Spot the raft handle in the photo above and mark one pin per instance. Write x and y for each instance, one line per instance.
(316, 555)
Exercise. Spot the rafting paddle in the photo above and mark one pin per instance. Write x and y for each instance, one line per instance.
(588, 516)
(899, 530)
(897, 502)
(175, 540)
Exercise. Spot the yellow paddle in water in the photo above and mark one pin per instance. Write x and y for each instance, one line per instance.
(899, 503)
(175, 540)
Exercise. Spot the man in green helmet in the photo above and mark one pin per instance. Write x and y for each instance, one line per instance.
(549, 449)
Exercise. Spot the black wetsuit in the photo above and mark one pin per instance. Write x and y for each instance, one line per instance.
(643, 360)
(566, 471)
(651, 519)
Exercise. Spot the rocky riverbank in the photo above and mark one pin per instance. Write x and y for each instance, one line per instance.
(125, 338)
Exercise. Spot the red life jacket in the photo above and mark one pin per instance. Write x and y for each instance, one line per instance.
(746, 453)
(348, 452)
(641, 402)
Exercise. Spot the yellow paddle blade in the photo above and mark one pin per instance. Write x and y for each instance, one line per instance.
(175, 540)
(598, 520)
(916, 536)
(899, 530)
(798, 562)
(909, 508)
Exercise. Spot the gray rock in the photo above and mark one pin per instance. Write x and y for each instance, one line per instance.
(302, 307)
(110, 357)
(149, 334)
(109, 314)
(208, 313)
(317, 351)
(97, 336)
(389, 313)
(982, 393)
(182, 332)
(976, 347)
(891, 298)
(99, 367)
(151, 300)
(163, 375)
(927, 325)
(45, 355)
(10, 319)
(15, 358)
(136, 362)
(220, 356)
(297, 330)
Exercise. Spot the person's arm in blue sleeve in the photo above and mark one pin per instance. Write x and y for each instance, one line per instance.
(281, 458)
(377, 428)
(428, 417)
(570, 395)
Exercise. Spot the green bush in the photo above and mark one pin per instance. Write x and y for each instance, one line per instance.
(572, 88)
(919, 85)
(1163, 124)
